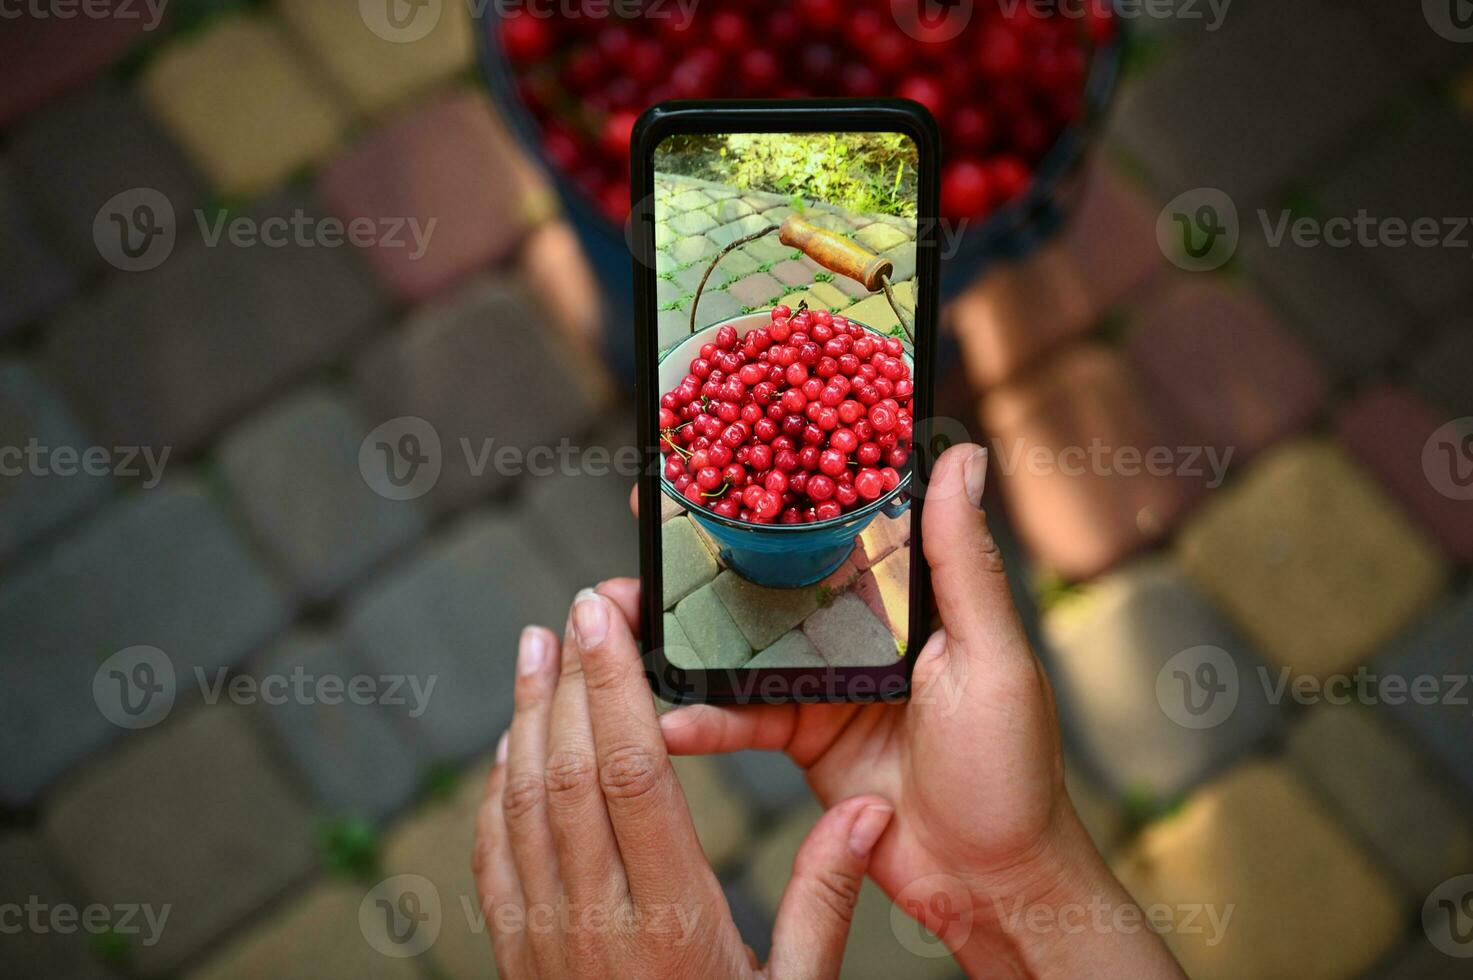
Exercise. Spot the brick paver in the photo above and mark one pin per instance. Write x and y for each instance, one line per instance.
(763, 615)
(1442, 370)
(759, 289)
(33, 278)
(1111, 240)
(49, 55)
(1304, 899)
(711, 631)
(686, 563)
(846, 633)
(769, 779)
(883, 536)
(792, 649)
(885, 588)
(1311, 560)
(879, 237)
(176, 828)
(30, 876)
(584, 512)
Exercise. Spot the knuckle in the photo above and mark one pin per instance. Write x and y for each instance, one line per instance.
(570, 774)
(523, 796)
(631, 772)
(838, 891)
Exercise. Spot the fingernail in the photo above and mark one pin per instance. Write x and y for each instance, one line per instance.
(501, 749)
(590, 618)
(532, 651)
(976, 477)
(868, 828)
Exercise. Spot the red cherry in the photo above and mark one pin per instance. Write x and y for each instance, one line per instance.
(828, 510)
(927, 91)
(525, 38)
(965, 191)
(869, 484)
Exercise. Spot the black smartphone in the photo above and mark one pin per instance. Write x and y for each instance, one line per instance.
(785, 288)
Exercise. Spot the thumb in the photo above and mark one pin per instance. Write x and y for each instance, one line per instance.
(813, 916)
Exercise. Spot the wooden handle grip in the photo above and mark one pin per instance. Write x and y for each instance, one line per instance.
(835, 252)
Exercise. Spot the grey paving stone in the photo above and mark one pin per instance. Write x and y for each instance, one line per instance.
(762, 200)
(70, 160)
(792, 649)
(668, 291)
(769, 249)
(294, 473)
(664, 234)
(678, 648)
(485, 371)
(848, 634)
(1420, 960)
(730, 210)
(164, 358)
(348, 753)
(673, 327)
(770, 778)
(1383, 789)
(690, 277)
(754, 924)
(689, 200)
(1421, 50)
(832, 221)
(721, 813)
(160, 569)
(189, 807)
(1444, 371)
(758, 289)
(35, 501)
(771, 863)
(582, 510)
(693, 249)
(46, 952)
(1255, 105)
(686, 563)
(692, 223)
(665, 262)
(763, 615)
(794, 272)
(1412, 174)
(455, 612)
(903, 256)
(715, 306)
(717, 642)
(1111, 658)
(724, 235)
(874, 950)
(33, 279)
(1438, 649)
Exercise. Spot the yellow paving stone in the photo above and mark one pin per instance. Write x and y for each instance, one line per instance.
(1292, 893)
(244, 106)
(829, 295)
(1311, 559)
(722, 817)
(374, 73)
(876, 312)
(792, 300)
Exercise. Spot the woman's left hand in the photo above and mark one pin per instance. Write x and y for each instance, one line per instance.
(586, 858)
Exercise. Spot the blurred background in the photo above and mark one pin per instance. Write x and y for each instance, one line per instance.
(315, 350)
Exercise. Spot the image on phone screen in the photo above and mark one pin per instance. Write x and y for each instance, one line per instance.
(784, 394)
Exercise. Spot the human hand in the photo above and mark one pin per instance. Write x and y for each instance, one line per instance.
(586, 859)
(984, 832)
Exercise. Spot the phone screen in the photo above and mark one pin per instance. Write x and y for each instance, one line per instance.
(784, 396)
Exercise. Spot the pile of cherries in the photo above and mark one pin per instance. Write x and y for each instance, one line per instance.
(1003, 89)
(802, 420)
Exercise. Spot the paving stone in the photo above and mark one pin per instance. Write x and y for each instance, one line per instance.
(769, 249)
(33, 279)
(713, 635)
(1111, 240)
(828, 295)
(722, 817)
(159, 569)
(754, 925)
(29, 876)
(687, 280)
(732, 209)
(1112, 655)
(759, 289)
(294, 473)
(245, 109)
(348, 753)
(1077, 515)
(1405, 29)
(376, 74)
(724, 235)
(314, 934)
(771, 780)
(880, 237)
(732, 266)
(1256, 77)
(771, 863)
(165, 359)
(693, 249)
(47, 56)
(1218, 354)
(835, 221)
(792, 649)
(176, 828)
(902, 257)
(714, 306)
(762, 200)
(1437, 648)
(691, 200)
(1310, 559)
(668, 291)
(876, 312)
(1420, 960)
(1386, 429)
(669, 508)
(466, 366)
(1305, 900)
(436, 844)
(1443, 370)
(686, 563)
(763, 615)
(883, 536)
(1410, 174)
(847, 634)
(672, 327)
(455, 613)
(793, 273)
(692, 223)
(476, 222)
(885, 588)
(874, 952)
(585, 514)
(678, 648)
(1386, 792)
(1103, 817)
(34, 504)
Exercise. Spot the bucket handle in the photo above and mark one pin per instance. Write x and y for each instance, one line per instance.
(832, 251)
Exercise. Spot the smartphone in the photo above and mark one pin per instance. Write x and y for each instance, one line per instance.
(785, 288)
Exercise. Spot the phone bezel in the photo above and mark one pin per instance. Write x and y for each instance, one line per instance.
(775, 684)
